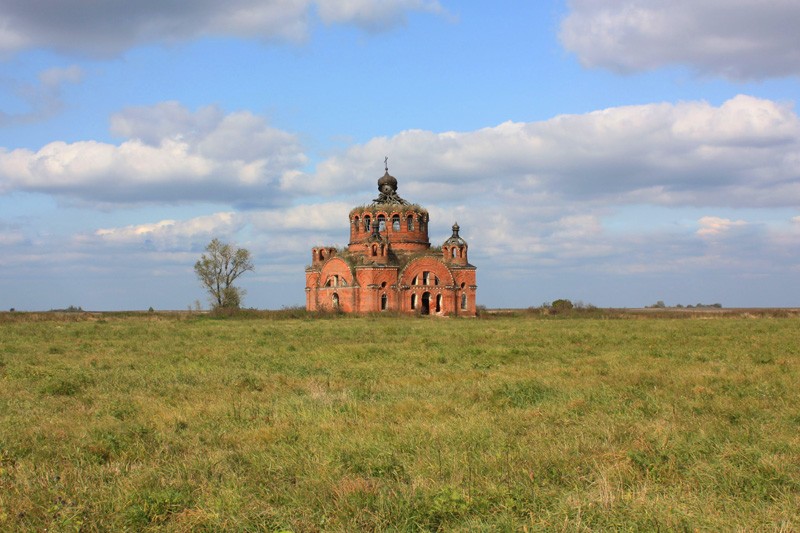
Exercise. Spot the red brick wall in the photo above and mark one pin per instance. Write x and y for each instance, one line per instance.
(401, 239)
(374, 282)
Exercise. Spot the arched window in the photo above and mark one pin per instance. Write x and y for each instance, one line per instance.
(413, 301)
(453, 252)
(463, 301)
(421, 223)
(384, 301)
(415, 281)
(374, 250)
(381, 223)
(426, 278)
(395, 222)
(410, 223)
(335, 300)
(438, 303)
(366, 223)
(357, 224)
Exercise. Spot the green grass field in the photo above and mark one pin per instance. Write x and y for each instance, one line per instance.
(184, 422)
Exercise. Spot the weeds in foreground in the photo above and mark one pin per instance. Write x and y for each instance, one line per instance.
(182, 422)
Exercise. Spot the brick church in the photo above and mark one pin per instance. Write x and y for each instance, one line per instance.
(389, 264)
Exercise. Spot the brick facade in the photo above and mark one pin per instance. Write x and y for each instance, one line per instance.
(389, 264)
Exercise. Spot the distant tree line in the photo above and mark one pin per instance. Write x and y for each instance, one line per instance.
(70, 309)
(661, 305)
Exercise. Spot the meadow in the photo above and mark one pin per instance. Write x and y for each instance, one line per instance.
(515, 423)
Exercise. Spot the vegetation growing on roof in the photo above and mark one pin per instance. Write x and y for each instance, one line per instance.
(389, 207)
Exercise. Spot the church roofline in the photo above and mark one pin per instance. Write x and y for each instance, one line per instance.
(389, 208)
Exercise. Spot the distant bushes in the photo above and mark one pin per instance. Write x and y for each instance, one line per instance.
(70, 309)
(564, 307)
(661, 305)
(561, 306)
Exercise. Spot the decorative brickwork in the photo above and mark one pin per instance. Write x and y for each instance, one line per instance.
(389, 264)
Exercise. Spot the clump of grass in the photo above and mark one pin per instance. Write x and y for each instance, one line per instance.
(66, 385)
(524, 393)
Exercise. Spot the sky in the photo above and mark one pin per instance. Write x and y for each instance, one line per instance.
(612, 152)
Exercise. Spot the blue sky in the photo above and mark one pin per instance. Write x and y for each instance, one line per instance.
(614, 152)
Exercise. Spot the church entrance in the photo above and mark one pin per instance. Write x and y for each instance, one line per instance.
(426, 303)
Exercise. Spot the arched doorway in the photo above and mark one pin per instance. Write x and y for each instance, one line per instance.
(426, 303)
(335, 300)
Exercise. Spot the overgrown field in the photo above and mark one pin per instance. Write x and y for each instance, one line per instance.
(345, 424)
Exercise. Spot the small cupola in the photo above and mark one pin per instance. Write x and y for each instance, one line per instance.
(387, 187)
(454, 249)
(387, 183)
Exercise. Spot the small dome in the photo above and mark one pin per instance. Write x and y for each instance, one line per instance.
(454, 238)
(387, 179)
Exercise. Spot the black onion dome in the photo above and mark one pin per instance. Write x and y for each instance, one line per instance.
(387, 179)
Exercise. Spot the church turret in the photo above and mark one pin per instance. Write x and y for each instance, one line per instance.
(454, 249)
(405, 225)
(321, 254)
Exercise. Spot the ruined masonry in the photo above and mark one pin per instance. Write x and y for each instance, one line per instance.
(389, 264)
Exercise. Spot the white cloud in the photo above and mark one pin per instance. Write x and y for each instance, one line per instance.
(42, 99)
(713, 226)
(317, 217)
(370, 14)
(172, 155)
(171, 233)
(108, 28)
(11, 237)
(738, 39)
(55, 77)
(742, 153)
(165, 120)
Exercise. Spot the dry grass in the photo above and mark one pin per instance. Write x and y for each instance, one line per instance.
(181, 422)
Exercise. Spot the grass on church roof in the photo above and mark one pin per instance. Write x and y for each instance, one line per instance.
(389, 208)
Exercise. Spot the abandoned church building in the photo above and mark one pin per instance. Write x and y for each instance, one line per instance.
(389, 264)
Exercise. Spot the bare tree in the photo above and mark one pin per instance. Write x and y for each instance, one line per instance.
(218, 268)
